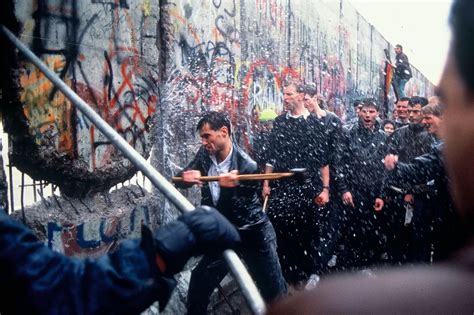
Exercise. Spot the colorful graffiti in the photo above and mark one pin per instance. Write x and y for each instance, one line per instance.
(49, 113)
(129, 60)
(107, 52)
(242, 74)
(95, 237)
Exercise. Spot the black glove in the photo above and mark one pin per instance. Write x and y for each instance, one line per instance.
(202, 231)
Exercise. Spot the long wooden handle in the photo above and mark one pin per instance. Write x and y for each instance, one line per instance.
(242, 177)
(265, 202)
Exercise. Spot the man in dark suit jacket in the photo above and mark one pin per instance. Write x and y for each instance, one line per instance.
(240, 204)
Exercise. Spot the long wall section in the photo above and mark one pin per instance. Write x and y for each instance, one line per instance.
(149, 67)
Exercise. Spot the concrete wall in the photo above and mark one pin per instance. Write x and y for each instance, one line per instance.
(234, 55)
(130, 60)
(107, 52)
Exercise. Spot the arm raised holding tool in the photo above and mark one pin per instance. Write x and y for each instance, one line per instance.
(229, 182)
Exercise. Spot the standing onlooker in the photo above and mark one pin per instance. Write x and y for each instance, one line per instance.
(359, 179)
(260, 141)
(409, 206)
(331, 216)
(402, 112)
(388, 126)
(441, 204)
(411, 140)
(394, 113)
(240, 204)
(357, 105)
(432, 119)
(402, 70)
(297, 140)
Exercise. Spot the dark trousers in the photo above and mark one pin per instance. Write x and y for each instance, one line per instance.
(421, 234)
(398, 235)
(330, 225)
(365, 240)
(258, 250)
(295, 217)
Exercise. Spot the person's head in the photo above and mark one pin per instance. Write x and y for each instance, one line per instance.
(433, 100)
(293, 97)
(456, 91)
(398, 49)
(388, 127)
(357, 107)
(432, 118)
(414, 109)
(402, 108)
(369, 113)
(311, 97)
(215, 130)
(394, 113)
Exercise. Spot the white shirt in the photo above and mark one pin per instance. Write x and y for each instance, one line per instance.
(215, 170)
(305, 114)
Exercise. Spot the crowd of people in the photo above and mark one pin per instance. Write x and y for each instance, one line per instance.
(357, 209)
(368, 198)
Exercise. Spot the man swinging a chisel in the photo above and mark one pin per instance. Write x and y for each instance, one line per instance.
(240, 204)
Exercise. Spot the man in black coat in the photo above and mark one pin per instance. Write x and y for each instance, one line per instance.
(402, 70)
(331, 218)
(401, 109)
(359, 179)
(240, 204)
(407, 212)
(441, 218)
(297, 140)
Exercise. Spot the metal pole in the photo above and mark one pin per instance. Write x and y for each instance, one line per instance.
(237, 268)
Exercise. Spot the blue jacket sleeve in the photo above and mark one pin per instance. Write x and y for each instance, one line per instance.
(37, 280)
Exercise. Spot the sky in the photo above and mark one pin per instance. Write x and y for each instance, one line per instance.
(420, 26)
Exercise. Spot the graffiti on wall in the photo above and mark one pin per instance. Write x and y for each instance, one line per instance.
(95, 237)
(240, 69)
(222, 55)
(106, 52)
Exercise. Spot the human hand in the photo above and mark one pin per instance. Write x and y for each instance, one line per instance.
(347, 199)
(322, 199)
(201, 231)
(390, 161)
(266, 189)
(229, 180)
(192, 177)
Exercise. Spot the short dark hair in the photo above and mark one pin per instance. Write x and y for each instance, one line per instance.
(462, 23)
(399, 46)
(357, 103)
(404, 99)
(389, 121)
(216, 120)
(418, 100)
(370, 102)
(310, 89)
(433, 109)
